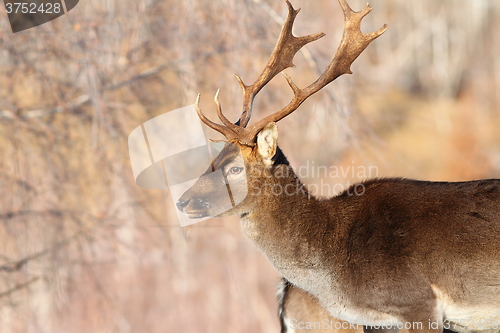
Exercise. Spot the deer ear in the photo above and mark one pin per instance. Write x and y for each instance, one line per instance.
(267, 141)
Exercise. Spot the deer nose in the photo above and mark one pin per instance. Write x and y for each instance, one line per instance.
(181, 204)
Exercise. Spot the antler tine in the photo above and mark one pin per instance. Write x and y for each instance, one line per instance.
(224, 130)
(351, 46)
(281, 58)
(234, 128)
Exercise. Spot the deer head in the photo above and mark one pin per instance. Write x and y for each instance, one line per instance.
(248, 165)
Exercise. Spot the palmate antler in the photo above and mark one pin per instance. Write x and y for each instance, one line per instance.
(351, 46)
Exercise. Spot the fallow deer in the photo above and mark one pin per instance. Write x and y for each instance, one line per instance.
(419, 255)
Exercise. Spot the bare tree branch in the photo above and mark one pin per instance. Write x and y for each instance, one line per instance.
(17, 265)
(19, 286)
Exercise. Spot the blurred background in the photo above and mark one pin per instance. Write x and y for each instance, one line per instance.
(83, 249)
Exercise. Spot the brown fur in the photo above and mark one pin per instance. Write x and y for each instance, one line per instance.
(401, 251)
(300, 312)
(393, 252)
(251, 177)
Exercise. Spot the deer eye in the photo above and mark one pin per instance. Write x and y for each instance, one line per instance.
(235, 170)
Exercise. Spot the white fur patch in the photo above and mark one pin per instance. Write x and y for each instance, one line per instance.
(464, 318)
(267, 141)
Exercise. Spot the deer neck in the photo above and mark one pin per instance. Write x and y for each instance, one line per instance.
(286, 222)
